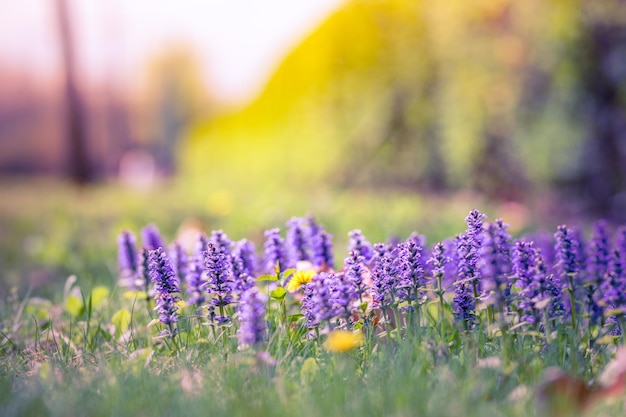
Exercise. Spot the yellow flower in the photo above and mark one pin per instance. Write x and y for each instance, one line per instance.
(300, 278)
(343, 340)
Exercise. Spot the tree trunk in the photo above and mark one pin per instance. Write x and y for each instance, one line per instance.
(78, 164)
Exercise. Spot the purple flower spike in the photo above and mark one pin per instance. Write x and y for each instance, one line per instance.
(495, 261)
(219, 279)
(475, 220)
(128, 259)
(598, 263)
(274, 251)
(468, 245)
(221, 241)
(464, 304)
(200, 247)
(244, 255)
(196, 283)
(410, 270)
(567, 251)
(243, 264)
(180, 260)
(384, 282)
(537, 286)
(568, 255)
(252, 326)
(317, 305)
(613, 289)
(166, 289)
(296, 241)
(438, 262)
(360, 245)
(355, 272)
(451, 267)
(323, 250)
(466, 287)
(342, 295)
(143, 279)
(151, 238)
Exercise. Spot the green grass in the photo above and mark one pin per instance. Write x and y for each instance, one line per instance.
(58, 360)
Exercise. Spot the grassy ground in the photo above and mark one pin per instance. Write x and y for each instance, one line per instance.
(60, 359)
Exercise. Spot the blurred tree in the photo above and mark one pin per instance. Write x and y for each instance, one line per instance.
(437, 95)
(602, 177)
(78, 163)
(174, 95)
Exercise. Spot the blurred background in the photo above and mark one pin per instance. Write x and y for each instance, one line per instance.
(388, 115)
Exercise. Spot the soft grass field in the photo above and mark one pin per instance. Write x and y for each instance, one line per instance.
(70, 352)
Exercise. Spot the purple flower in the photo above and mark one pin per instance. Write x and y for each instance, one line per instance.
(252, 326)
(450, 272)
(243, 264)
(438, 262)
(567, 251)
(196, 284)
(316, 301)
(219, 279)
(221, 241)
(381, 250)
(296, 241)
(475, 221)
(179, 260)
(384, 282)
(200, 247)
(360, 245)
(355, 272)
(323, 250)
(495, 261)
(598, 263)
(613, 289)
(275, 252)
(599, 256)
(196, 276)
(568, 255)
(143, 280)
(342, 294)
(244, 255)
(464, 304)
(410, 271)
(319, 243)
(128, 260)
(468, 245)
(466, 287)
(166, 289)
(151, 238)
(539, 290)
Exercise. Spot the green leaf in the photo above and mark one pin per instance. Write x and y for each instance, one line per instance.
(294, 317)
(267, 278)
(286, 274)
(98, 296)
(121, 321)
(279, 293)
(74, 305)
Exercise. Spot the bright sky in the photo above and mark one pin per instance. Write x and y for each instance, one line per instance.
(239, 42)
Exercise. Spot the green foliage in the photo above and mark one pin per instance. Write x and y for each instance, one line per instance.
(412, 93)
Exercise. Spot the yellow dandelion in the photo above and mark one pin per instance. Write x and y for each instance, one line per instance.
(300, 278)
(343, 340)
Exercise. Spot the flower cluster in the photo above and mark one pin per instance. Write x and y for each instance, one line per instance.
(533, 280)
(166, 289)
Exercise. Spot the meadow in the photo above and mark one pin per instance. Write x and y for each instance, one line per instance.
(383, 322)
